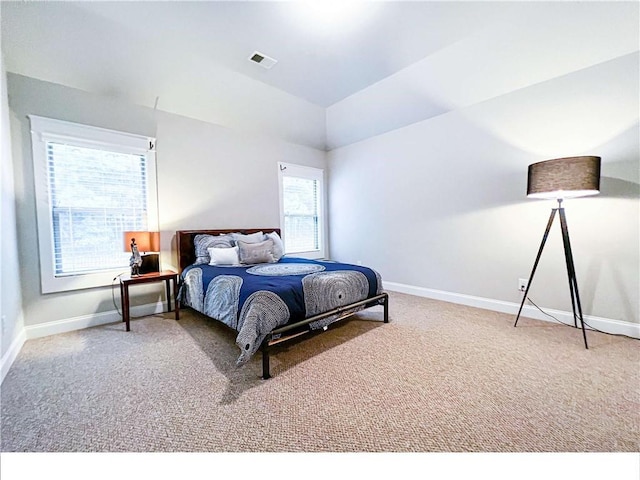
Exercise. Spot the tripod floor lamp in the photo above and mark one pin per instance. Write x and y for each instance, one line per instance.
(558, 179)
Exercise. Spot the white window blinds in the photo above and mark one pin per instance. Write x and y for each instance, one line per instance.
(300, 197)
(96, 195)
(92, 185)
(301, 209)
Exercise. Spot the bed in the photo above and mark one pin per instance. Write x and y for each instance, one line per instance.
(241, 278)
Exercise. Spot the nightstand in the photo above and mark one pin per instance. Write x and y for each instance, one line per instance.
(168, 276)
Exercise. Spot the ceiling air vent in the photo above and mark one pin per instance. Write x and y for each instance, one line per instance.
(263, 60)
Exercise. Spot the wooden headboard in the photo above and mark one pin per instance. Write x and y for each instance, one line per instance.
(185, 245)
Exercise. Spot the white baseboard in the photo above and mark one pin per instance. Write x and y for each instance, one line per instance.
(91, 320)
(69, 325)
(608, 325)
(11, 354)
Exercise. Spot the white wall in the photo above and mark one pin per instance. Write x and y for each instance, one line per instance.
(441, 204)
(12, 322)
(208, 177)
(214, 177)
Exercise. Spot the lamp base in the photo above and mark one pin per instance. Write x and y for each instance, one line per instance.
(150, 263)
(571, 271)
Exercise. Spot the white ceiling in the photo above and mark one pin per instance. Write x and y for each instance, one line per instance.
(343, 74)
(323, 56)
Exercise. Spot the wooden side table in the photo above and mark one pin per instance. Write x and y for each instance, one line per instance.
(168, 276)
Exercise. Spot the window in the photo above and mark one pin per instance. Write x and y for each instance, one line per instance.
(301, 210)
(92, 185)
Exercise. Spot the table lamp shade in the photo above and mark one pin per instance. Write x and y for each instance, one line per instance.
(146, 241)
(564, 178)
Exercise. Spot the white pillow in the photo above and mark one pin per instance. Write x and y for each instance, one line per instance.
(278, 246)
(224, 256)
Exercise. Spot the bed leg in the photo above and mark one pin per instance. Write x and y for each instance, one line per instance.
(265, 360)
(386, 308)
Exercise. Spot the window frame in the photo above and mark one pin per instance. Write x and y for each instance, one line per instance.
(44, 130)
(309, 173)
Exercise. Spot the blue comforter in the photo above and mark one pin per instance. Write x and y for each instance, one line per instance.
(254, 300)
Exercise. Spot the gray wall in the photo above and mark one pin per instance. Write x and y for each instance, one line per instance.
(10, 293)
(208, 177)
(441, 204)
(214, 177)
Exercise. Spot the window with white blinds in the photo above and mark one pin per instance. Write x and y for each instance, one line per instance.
(92, 185)
(96, 195)
(301, 202)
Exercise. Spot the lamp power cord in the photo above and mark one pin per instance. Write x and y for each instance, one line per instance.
(113, 294)
(583, 321)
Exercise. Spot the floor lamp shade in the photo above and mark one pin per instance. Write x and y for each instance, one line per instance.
(564, 178)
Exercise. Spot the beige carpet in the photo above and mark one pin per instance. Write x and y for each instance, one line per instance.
(438, 378)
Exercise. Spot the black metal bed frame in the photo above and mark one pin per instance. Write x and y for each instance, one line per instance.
(274, 338)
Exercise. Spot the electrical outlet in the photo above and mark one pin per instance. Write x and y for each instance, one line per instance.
(522, 284)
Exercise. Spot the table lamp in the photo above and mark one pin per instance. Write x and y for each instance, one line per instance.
(140, 243)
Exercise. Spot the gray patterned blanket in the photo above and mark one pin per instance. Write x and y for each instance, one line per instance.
(254, 300)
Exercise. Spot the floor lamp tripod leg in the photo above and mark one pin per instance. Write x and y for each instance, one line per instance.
(535, 264)
(571, 273)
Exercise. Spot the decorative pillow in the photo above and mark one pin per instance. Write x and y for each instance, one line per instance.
(278, 246)
(203, 242)
(252, 253)
(223, 256)
(250, 238)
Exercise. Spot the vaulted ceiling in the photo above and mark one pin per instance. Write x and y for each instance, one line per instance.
(148, 51)
(326, 50)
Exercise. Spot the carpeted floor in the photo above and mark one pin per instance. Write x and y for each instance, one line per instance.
(439, 378)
